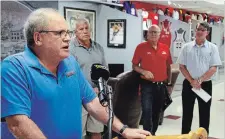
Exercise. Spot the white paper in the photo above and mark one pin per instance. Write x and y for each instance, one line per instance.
(202, 94)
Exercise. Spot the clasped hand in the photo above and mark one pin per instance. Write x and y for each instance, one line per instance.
(196, 84)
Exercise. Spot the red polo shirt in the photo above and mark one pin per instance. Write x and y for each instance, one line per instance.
(155, 61)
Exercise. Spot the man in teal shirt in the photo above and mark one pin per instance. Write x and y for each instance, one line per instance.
(43, 87)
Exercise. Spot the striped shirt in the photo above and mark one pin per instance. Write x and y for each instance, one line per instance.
(87, 56)
(198, 60)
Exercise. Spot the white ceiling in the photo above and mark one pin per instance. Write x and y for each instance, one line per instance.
(213, 7)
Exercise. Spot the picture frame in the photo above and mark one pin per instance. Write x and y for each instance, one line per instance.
(116, 37)
(71, 14)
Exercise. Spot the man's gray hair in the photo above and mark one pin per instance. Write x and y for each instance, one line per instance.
(82, 20)
(154, 25)
(37, 21)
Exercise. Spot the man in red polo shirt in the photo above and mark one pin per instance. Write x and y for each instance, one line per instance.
(152, 60)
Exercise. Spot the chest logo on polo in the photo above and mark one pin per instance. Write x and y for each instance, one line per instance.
(148, 53)
(163, 52)
(70, 73)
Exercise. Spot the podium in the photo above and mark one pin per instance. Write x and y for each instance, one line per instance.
(200, 133)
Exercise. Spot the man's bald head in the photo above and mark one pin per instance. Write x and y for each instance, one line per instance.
(154, 27)
(153, 33)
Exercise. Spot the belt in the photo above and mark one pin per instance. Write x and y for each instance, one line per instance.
(154, 82)
(158, 82)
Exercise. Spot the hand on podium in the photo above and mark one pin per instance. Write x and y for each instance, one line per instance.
(201, 133)
(131, 133)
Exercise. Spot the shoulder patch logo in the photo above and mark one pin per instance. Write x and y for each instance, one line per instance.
(70, 73)
(163, 52)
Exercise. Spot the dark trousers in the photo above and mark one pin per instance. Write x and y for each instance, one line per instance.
(152, 98)
(188, 100)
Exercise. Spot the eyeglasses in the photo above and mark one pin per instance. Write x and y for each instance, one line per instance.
(201, 29)
(153, 32)
(61, 33)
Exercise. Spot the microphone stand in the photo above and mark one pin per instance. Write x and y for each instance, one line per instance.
(105, 98)
(110, 107)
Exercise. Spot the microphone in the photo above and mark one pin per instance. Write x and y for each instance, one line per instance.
(102, 96)
(100, 74)
(98, 70)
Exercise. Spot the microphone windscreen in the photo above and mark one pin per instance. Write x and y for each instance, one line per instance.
(98, 70)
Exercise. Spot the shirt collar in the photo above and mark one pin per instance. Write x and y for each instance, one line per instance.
(31, 58)
(33, 61)
(204, 45)
(158, 45)
(77, 44)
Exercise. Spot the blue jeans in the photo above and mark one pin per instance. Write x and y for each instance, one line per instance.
(152, 99)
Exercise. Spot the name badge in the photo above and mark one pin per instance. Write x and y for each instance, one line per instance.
(70, 73)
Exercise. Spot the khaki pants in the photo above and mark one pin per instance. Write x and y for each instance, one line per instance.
(90, 124)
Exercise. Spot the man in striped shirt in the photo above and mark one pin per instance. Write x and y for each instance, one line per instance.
(198, 62)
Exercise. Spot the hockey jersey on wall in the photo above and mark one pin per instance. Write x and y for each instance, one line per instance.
(129, 7)
(154, 17)
(165, 35)
(149, 18)
(176, 15)
(160, 12)
(146, 22)
(178, 41)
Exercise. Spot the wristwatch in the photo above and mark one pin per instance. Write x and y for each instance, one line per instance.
(123, 128)
(169, 84)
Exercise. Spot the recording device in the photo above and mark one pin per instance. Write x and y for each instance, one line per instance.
(99, 75)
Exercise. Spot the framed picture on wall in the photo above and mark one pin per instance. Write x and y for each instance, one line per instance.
(72, 14)
(116, 33)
